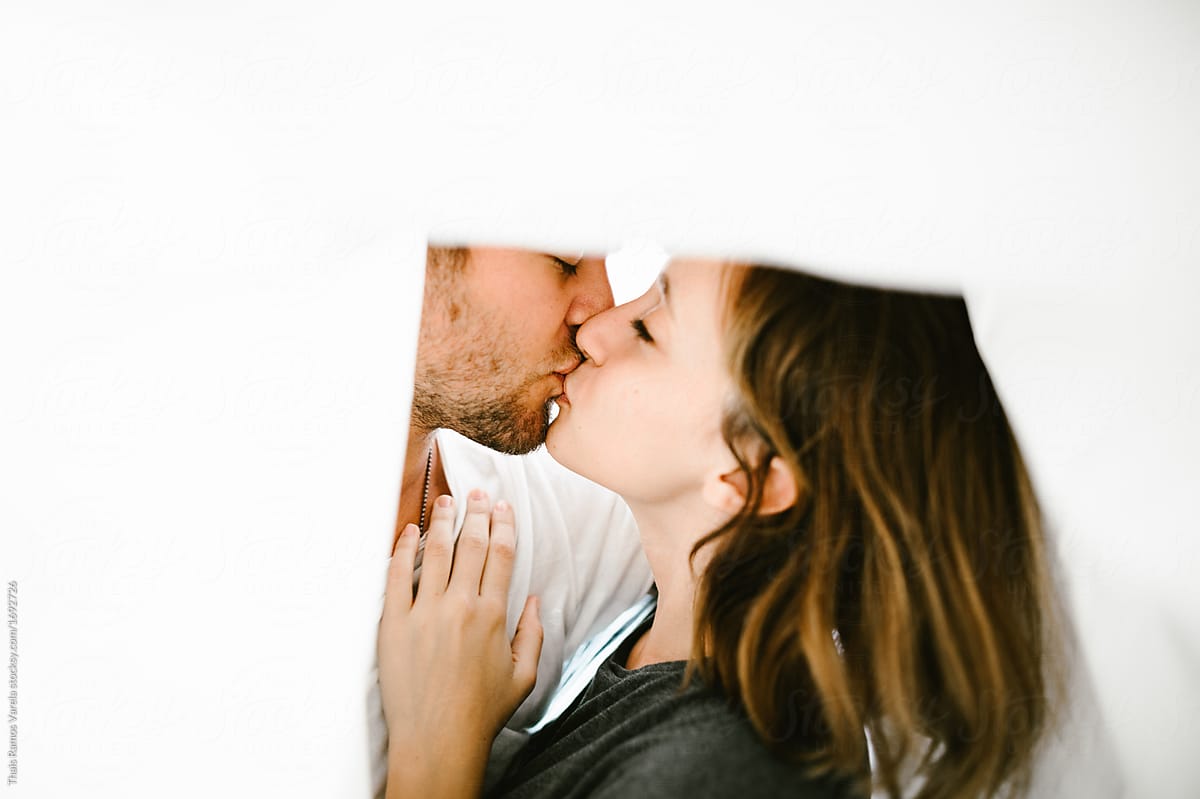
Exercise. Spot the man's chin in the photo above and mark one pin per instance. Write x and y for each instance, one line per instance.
(512, 425)
(523, 435)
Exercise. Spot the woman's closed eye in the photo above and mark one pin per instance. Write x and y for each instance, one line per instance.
(639, 327)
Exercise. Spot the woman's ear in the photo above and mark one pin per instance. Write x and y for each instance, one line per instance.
(727, 492)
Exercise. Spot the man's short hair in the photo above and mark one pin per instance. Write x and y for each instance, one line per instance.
(448, 260)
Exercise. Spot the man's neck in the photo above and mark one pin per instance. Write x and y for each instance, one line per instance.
(421, 447)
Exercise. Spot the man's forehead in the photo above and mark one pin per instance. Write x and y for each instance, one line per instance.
(571, 256)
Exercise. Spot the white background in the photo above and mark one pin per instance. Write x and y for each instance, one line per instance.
(211, 226)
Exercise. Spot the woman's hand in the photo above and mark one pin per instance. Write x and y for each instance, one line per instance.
(449, 677)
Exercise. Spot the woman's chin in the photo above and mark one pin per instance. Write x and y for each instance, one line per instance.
(554, 439)
(569, 452)
(560, 446)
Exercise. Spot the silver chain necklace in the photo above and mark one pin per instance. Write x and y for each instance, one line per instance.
(425, 494)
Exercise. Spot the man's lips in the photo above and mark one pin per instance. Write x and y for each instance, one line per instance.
(563, 398)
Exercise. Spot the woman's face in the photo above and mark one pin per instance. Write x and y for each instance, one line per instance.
(642, 415)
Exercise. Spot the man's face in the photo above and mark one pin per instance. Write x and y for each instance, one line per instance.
(497, 338)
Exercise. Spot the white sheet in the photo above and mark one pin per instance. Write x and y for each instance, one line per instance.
(207, 328)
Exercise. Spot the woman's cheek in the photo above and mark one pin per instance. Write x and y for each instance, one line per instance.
(641, 396)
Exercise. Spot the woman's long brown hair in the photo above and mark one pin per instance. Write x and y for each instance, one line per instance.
(906, 593)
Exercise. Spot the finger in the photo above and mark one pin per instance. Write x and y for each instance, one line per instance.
(471, 549)
(439, 549)
(398, 596)
(527, 646)
(502, 550)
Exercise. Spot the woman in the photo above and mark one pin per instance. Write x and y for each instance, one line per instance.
(843, 538)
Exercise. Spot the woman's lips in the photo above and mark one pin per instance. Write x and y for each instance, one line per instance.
(562, 398)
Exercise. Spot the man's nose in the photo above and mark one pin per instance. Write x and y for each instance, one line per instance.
(594, 293)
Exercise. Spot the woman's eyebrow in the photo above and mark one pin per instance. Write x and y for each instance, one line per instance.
(572, 258)
(664, 288)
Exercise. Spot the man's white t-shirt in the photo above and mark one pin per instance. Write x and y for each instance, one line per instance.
(578, 551)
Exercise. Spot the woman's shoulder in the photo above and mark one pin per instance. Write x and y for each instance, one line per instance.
(636, 733)
(707, 748)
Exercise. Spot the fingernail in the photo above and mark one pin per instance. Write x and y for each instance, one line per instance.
(478, 494)
(410, 529)
(501, 506)
(443, 501)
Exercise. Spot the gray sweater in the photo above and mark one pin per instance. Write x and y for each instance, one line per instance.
(633, 734)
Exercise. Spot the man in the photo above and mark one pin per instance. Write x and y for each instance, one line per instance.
(497, 338)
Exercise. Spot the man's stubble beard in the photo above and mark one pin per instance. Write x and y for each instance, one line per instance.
(472, 409)
(461, 390)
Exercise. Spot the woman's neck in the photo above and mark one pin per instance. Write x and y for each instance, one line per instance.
(668, 532)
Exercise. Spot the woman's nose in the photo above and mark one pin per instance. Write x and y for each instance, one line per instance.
(594, 336)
